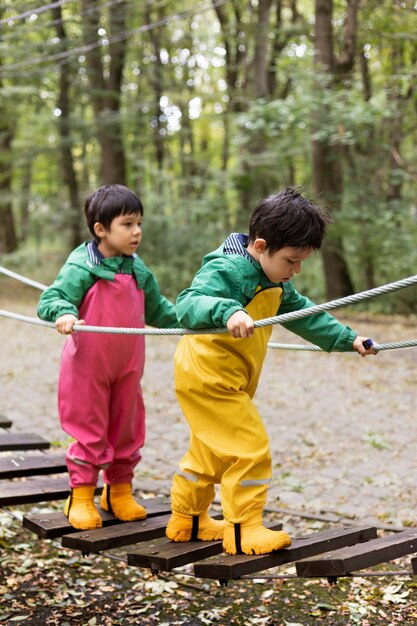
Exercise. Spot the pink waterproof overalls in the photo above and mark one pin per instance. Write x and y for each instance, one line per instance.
(99, 396)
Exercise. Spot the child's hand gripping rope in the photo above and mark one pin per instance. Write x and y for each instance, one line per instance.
(364, 346)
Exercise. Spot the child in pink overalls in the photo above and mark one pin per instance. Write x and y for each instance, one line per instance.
(104, 283)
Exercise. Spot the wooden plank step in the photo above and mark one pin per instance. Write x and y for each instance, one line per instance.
(5, 422)
(17, 466)
(55, 524)
(34, 490)
(227, 567)
(163, 555)
(22, 441)
(116, 536)
(348, 560)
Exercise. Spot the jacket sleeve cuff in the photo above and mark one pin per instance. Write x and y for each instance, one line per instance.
(345, 341)
(65, 312)
(228, 314)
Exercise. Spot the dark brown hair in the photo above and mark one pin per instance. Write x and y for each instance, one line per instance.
(288, 219)
(108, 202)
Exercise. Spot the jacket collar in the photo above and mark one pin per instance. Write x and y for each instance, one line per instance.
(96, 257)
(236, 243)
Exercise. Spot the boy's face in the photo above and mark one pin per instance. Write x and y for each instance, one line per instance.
(123, 236)
(281, 265)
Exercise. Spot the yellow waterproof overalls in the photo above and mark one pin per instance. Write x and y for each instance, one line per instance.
(216, 377)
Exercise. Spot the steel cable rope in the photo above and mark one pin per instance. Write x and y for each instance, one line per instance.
(59, 57)
(23, 279)
(35, 11)
(278, 319)
(68, 55)
(37, 27)
(162, 22)
(105, 41)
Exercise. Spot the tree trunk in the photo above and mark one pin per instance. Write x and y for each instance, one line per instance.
(261, 59)
(231, 28)
(67, 161)
(24, 200)
(8, 238)
(156, 81)
(367, 149)
(327, 158)
(395, 182)
(106, 91)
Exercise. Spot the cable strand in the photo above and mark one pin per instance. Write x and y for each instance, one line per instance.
(278, 319)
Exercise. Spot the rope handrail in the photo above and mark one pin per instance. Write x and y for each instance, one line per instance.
(334, 304)
(394, 345)
(23, 279)
(278, 319)
(179, 331)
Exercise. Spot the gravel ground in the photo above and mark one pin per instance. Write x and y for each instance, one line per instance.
(342, 428)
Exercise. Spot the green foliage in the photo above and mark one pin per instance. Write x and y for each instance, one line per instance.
(219, 149)
(377, 232)
(175, 253)
(40, 264)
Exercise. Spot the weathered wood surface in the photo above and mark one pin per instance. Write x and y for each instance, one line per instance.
(18, 465)
(164, 555)
(116, 536)
(5, 422)
(22, 441)
(347, 560)
(226, 567)
(55, 524)
(331, 553)
(36, 489)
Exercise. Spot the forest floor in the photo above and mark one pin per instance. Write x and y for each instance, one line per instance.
(343, 438)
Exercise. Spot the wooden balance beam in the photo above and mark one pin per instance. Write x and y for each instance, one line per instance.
(330, 553)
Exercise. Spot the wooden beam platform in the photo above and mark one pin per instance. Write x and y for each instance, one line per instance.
(164, 555)
(351, 559)
(34, 478)
(55, 524)
(5, 422)
(22, 441)
(116, 536)
(227, 567)
(35, 490)
(17, 466)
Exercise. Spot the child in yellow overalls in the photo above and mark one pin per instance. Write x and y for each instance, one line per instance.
(248, 278)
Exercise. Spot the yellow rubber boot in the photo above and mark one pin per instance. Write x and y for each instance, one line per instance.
(118, 499)
(253, 538)
(182, 528)
(80, 508)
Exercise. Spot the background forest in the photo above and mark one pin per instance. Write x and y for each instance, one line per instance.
(202, 108)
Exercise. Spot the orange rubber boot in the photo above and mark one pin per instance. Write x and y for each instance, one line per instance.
(80, 508)
(253, 538)
(182, 528)
(118, 499)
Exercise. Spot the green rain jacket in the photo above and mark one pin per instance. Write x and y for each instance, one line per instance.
(226, 283)
(80, 272)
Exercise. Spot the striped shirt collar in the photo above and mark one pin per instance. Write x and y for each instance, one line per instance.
(95, 255)
(236, 243)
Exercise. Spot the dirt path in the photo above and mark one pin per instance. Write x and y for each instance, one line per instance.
(343, 429)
